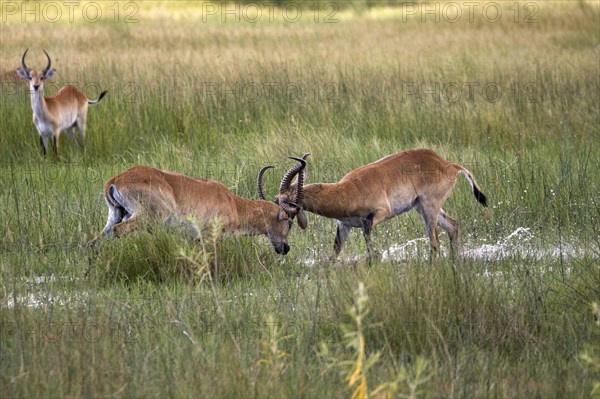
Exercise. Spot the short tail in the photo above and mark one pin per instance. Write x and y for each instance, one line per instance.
(481, 198)
(100, 97)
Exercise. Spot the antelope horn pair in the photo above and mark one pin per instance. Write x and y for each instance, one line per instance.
(291, 208)
(45, 69)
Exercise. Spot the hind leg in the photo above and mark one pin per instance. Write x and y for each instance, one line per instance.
(430, 213)
(71, 133)
(115, 215)
(128, 225)
(80, 124)
(157, 206)
(450, 226)
(367, 228)
(117, 225)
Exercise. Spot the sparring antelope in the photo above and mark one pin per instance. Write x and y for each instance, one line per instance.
(417, 179)
(65, 110)
(196, 203)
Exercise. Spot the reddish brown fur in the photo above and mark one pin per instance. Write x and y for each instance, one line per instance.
(68, 100)
(376, 192)
(143, 191)
(65, 110)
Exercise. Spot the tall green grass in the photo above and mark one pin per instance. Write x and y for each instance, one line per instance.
(161, 315)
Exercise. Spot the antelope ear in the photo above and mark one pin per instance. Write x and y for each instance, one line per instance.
(302, 221)
(49, 74)
(23, 73)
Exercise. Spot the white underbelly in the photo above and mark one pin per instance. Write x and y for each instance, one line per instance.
(44, 128)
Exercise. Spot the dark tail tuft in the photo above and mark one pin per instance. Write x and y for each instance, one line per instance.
(100, 97)
(480, 196)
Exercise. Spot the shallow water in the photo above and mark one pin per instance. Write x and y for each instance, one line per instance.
(521, 242)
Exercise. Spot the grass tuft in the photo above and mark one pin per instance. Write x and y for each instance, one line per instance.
(163, 315)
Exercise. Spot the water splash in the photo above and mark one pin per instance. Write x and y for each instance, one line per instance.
(410, 249)
(521, 242)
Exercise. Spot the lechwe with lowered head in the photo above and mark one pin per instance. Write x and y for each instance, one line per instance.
(65, 110)
(417, 179)
(196, 203)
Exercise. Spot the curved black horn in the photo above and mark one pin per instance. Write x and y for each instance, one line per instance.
(261, 194)
(287, 178)
(49, 62)
(23, 59)
(301, 179)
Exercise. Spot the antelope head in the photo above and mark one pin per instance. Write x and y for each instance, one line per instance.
(289, 207)
(36, 79)
(294, 193)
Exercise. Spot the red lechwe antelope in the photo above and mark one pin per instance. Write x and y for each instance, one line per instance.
(418, 179)
(196, 203)
(65, 110)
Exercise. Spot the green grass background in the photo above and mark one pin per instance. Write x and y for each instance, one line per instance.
(220, 99)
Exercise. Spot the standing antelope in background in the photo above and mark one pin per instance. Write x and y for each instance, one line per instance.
(65, 110)
(418, 179)
(196, 203)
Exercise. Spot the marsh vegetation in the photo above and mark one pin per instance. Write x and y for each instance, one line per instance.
(514, 101)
